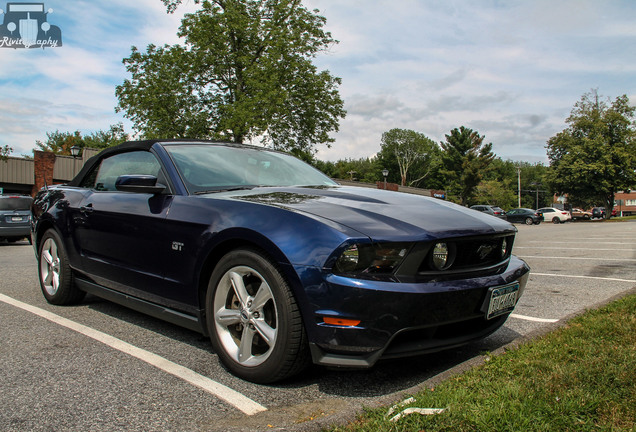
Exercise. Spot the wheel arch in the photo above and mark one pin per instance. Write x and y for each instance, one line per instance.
(42, 227)
(246, 239)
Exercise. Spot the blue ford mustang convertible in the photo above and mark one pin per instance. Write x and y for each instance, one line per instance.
(275, 262)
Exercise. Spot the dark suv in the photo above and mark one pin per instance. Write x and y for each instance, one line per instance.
(15, 217)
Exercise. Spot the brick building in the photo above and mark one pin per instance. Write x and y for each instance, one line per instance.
(27, 176)
(625, 203)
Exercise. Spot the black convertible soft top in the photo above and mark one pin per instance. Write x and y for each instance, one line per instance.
(132, 146)
(120, 148)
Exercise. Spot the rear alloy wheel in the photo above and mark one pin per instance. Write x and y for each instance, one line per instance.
(56, 278)
(556, 220)
(529, 221)
(253, 319)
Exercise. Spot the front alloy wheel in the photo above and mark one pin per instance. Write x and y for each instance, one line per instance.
(254, 323)
(56, 278)
(246, 318)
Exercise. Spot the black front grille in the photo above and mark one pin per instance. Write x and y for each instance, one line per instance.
(468, 257)
(478, 253)
(437, 338)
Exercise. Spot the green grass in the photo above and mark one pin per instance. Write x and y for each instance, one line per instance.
(621, 219)
(581, 377)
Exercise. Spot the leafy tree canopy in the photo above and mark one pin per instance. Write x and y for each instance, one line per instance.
(5, 151)
(61, 142)
(365, 170)
(512, 175)
(595, 156)
(465, 159)
(244, 73)
(411, 152)
(496, 193)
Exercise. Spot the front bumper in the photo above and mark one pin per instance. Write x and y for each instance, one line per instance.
(401, 319)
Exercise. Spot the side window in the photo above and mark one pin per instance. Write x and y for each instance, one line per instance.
(103, 177)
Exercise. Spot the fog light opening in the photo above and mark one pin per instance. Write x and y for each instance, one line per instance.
(443, 256)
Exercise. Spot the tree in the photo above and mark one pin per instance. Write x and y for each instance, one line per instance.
(244, 73)
(496, 193)
(61, 142)
(595, 156)
(5, 151)
(511, 173)
(465, 159)
(408, 148)
(102, 139)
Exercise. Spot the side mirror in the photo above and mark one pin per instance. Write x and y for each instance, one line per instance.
(139, 183)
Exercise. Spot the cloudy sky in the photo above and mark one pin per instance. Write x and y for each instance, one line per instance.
(512, 70)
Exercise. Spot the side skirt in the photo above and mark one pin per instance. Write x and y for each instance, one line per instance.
(195, 323)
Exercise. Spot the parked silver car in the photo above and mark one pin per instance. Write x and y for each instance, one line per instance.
(491, 210)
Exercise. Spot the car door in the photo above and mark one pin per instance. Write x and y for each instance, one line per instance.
(513, 215)
(547, 214)
(121, 234)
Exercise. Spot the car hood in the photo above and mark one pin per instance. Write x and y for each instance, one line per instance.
(379, 214)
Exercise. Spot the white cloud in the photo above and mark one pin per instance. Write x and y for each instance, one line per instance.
(511, 70)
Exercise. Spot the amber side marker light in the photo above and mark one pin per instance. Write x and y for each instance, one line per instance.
(340, 322)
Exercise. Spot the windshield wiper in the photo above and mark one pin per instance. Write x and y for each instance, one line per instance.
(226, 189)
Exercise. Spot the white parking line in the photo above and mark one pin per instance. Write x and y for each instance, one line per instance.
(576, 258)
(600, 240)
(583, 277)
(227, 394)
(527, 318)
(550, 320)
(570, 248)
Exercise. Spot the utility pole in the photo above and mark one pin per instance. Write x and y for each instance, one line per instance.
(519, 186)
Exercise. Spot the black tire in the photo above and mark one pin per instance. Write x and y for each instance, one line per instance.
(556, 220)
(529, 221)
(56, 277)
(248, 302)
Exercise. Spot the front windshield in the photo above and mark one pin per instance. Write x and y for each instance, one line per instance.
(211, 167)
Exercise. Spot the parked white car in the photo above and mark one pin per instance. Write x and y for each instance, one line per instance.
(555, 215)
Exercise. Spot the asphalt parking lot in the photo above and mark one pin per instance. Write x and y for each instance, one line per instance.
(101, 367)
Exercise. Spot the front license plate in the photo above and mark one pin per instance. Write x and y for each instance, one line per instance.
(502, 300)
(17, 219)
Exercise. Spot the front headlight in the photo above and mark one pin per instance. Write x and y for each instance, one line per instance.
(371, 259)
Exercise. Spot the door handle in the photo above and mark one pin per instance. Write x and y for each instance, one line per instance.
(87, 209)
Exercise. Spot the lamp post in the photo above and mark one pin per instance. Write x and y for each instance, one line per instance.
(518, 186)
(75, 151)
(385, 173)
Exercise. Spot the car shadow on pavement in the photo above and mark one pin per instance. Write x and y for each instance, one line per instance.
(386, 377)
(390, 376)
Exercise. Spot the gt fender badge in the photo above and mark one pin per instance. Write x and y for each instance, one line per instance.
(177, 246)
